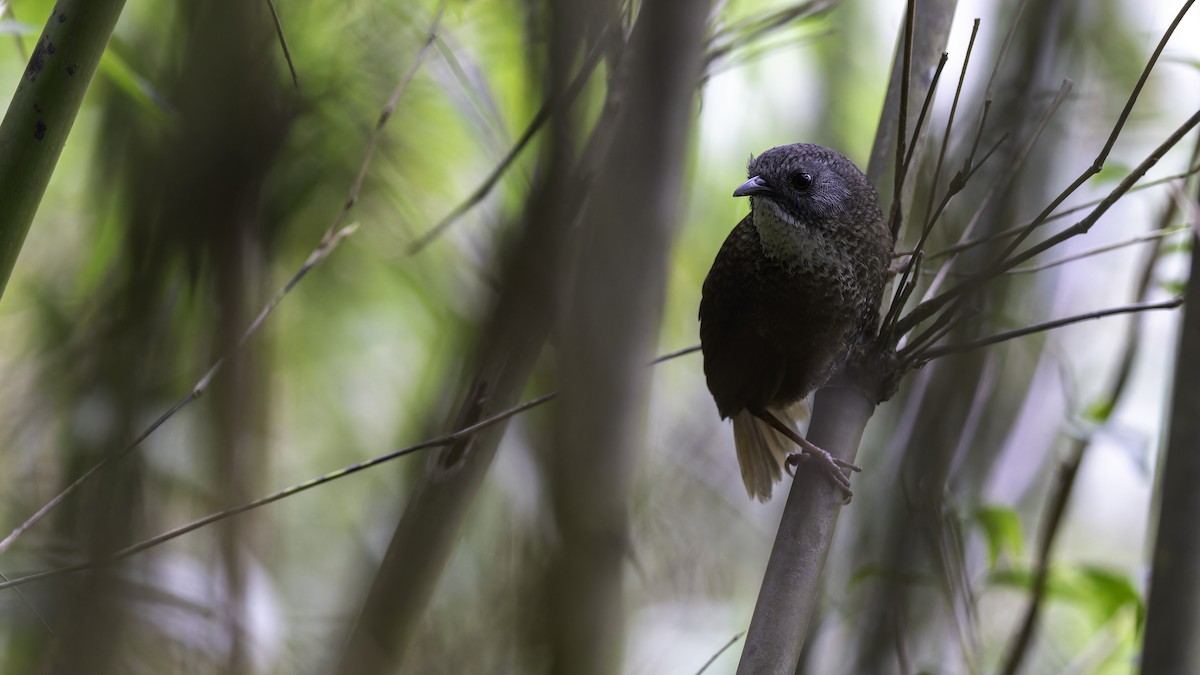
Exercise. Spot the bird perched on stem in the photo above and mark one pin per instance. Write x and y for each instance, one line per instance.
(795, 286)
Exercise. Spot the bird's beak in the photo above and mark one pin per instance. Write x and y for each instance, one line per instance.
(754, 186)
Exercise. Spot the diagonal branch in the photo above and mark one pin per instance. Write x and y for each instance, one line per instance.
(1151, 236)
(1123, 187)
(732, 641)
(1058, 499)
(440, 441)
(436, 442)
(1098, 162)
(329, 241)
(966, 244)
(1007, 260)
(485, 188)
(931, 306)
(946, 350)
(287, 53)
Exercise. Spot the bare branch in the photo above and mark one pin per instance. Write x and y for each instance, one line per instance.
(1008, 40)
(1157, 234)
(910, 18)
(676, 354)
(726, 40)
(965, 244)
(539, 120)
(329, 241)
(385, 115)
(732, 641)
(929, 95)
(1014, 169)
(931, 306)
(438, 441)
(1057, 499)
(938, 352)
(1007, 260)
(287, 54)
(946, 322)
(962, 76)
(1123, 187)
(1098, 162)
(908, 280)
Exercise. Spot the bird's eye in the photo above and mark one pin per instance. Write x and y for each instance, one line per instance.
(802, 180)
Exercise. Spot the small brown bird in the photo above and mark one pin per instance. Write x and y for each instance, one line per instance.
(796, 284)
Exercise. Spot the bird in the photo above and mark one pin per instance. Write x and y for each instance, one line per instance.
(796, 285)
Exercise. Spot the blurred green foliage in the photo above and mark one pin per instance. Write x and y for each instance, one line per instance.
(118, 307)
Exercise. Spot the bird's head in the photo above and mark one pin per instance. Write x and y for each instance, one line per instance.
(807, 186)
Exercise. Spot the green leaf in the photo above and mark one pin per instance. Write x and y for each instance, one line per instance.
(1017, 577)
(1098, 591)
(1181, 245)
(1002, 529)
(1108, 592)
(1173, 286)
(1099, 411)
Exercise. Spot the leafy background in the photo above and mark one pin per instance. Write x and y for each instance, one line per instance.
(196, 181)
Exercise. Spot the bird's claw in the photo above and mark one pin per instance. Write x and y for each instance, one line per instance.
(836, 469)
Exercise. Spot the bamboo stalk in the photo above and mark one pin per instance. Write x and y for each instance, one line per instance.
(42, 110)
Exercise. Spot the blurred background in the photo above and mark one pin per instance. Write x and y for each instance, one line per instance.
(198, 179)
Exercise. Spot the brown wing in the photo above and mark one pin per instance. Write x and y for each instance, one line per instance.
(743, 370)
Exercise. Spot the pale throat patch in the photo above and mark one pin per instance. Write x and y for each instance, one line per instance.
(786, 240)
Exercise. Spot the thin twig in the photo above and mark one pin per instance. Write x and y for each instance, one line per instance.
(675, 354)
(539, 120)
(915, 261)
(319, 254)
(439, 441)
(329, 241)
(1057, 500)
(749, 31)
(1158, 234)
(938, 352)
(287, 54)
(21, 594)
(932, 305)
(908, 281)
(910, 17)
(732, 641)
(1124, 243)
(476, 90)
(1119, 191)
(385, 115)
(1013, 171)
(946, 322)
(1006, 261)
(1000, 57)
(962, 76)
(1098, 162)
(966, 244)
(929, 95)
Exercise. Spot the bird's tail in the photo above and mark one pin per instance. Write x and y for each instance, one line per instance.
(761, 450)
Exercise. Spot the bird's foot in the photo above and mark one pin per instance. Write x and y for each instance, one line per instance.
(837, 470)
